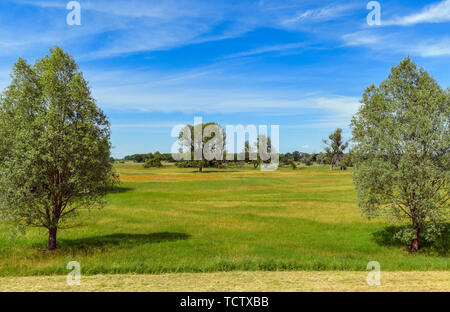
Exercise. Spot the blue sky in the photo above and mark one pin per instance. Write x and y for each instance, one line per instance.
(302, 65)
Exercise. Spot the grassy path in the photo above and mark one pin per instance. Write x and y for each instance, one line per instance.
(236, 281)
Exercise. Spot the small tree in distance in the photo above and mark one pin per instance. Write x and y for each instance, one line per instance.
(401, 153)
(187, 139)
(262, 146)
(55, 148)
(154, 160)
(336, 147)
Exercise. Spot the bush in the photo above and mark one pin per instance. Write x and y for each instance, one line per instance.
(346, 161)
(153, 163)
(288, 162)
(433, 241)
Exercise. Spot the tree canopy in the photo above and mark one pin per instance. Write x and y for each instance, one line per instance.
(205, 148)
(401, 152)
(336, 147)
(55, 145)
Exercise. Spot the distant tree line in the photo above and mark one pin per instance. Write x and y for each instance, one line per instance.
(142, 158)
(286, 160)
(333, 155)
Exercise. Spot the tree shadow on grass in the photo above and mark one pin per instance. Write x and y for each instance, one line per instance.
(441, 246)
(89, 245)
(386, 236)
(119, 189)
(214, 171)
(125, 239)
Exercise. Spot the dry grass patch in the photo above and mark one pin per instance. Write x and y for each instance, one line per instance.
(236, 281)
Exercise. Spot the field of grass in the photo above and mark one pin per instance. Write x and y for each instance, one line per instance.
(178, 220)
(235, 281)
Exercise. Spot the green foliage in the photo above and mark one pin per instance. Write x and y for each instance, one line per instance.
(286, 160)
(323, 159)
(309, 159)
(191, 145)
(432, 243)
(263, 145)
(55, 148)
(401, 151)
(297, 155)
(153, 162)
(141, 158)
(233, 164)
(335, 149)
(347, 161)
(183, 164)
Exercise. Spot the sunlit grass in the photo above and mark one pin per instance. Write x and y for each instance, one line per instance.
(179, 220)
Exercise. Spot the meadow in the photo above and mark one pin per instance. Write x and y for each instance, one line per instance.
(179, 220)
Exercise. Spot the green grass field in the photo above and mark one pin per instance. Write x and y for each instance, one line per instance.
(179, 220)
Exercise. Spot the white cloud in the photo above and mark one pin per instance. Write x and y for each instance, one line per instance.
(406, 41)
(125, 27)
(363, 38)
(213, 90)
(433, 49)
(327, 13)
(435, 13)
(396, 43)
(226, 100)
(267, 49)
(119, 27)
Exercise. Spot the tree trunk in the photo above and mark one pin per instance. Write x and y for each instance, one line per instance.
(200, 169)
(415, 242)
(52, 238)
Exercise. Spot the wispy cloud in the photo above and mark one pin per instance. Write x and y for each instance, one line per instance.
(396, 43)
(407, 40)
(432, 49)
(327, 13)
(435, 13)
(268, 49)
(134, 26)
(363, 37)
(122, 27)
(225, 100)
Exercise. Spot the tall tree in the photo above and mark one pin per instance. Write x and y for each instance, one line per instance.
(262, 147)
(55, 148)
(211, 138)
(401, 152)
(336, 147)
